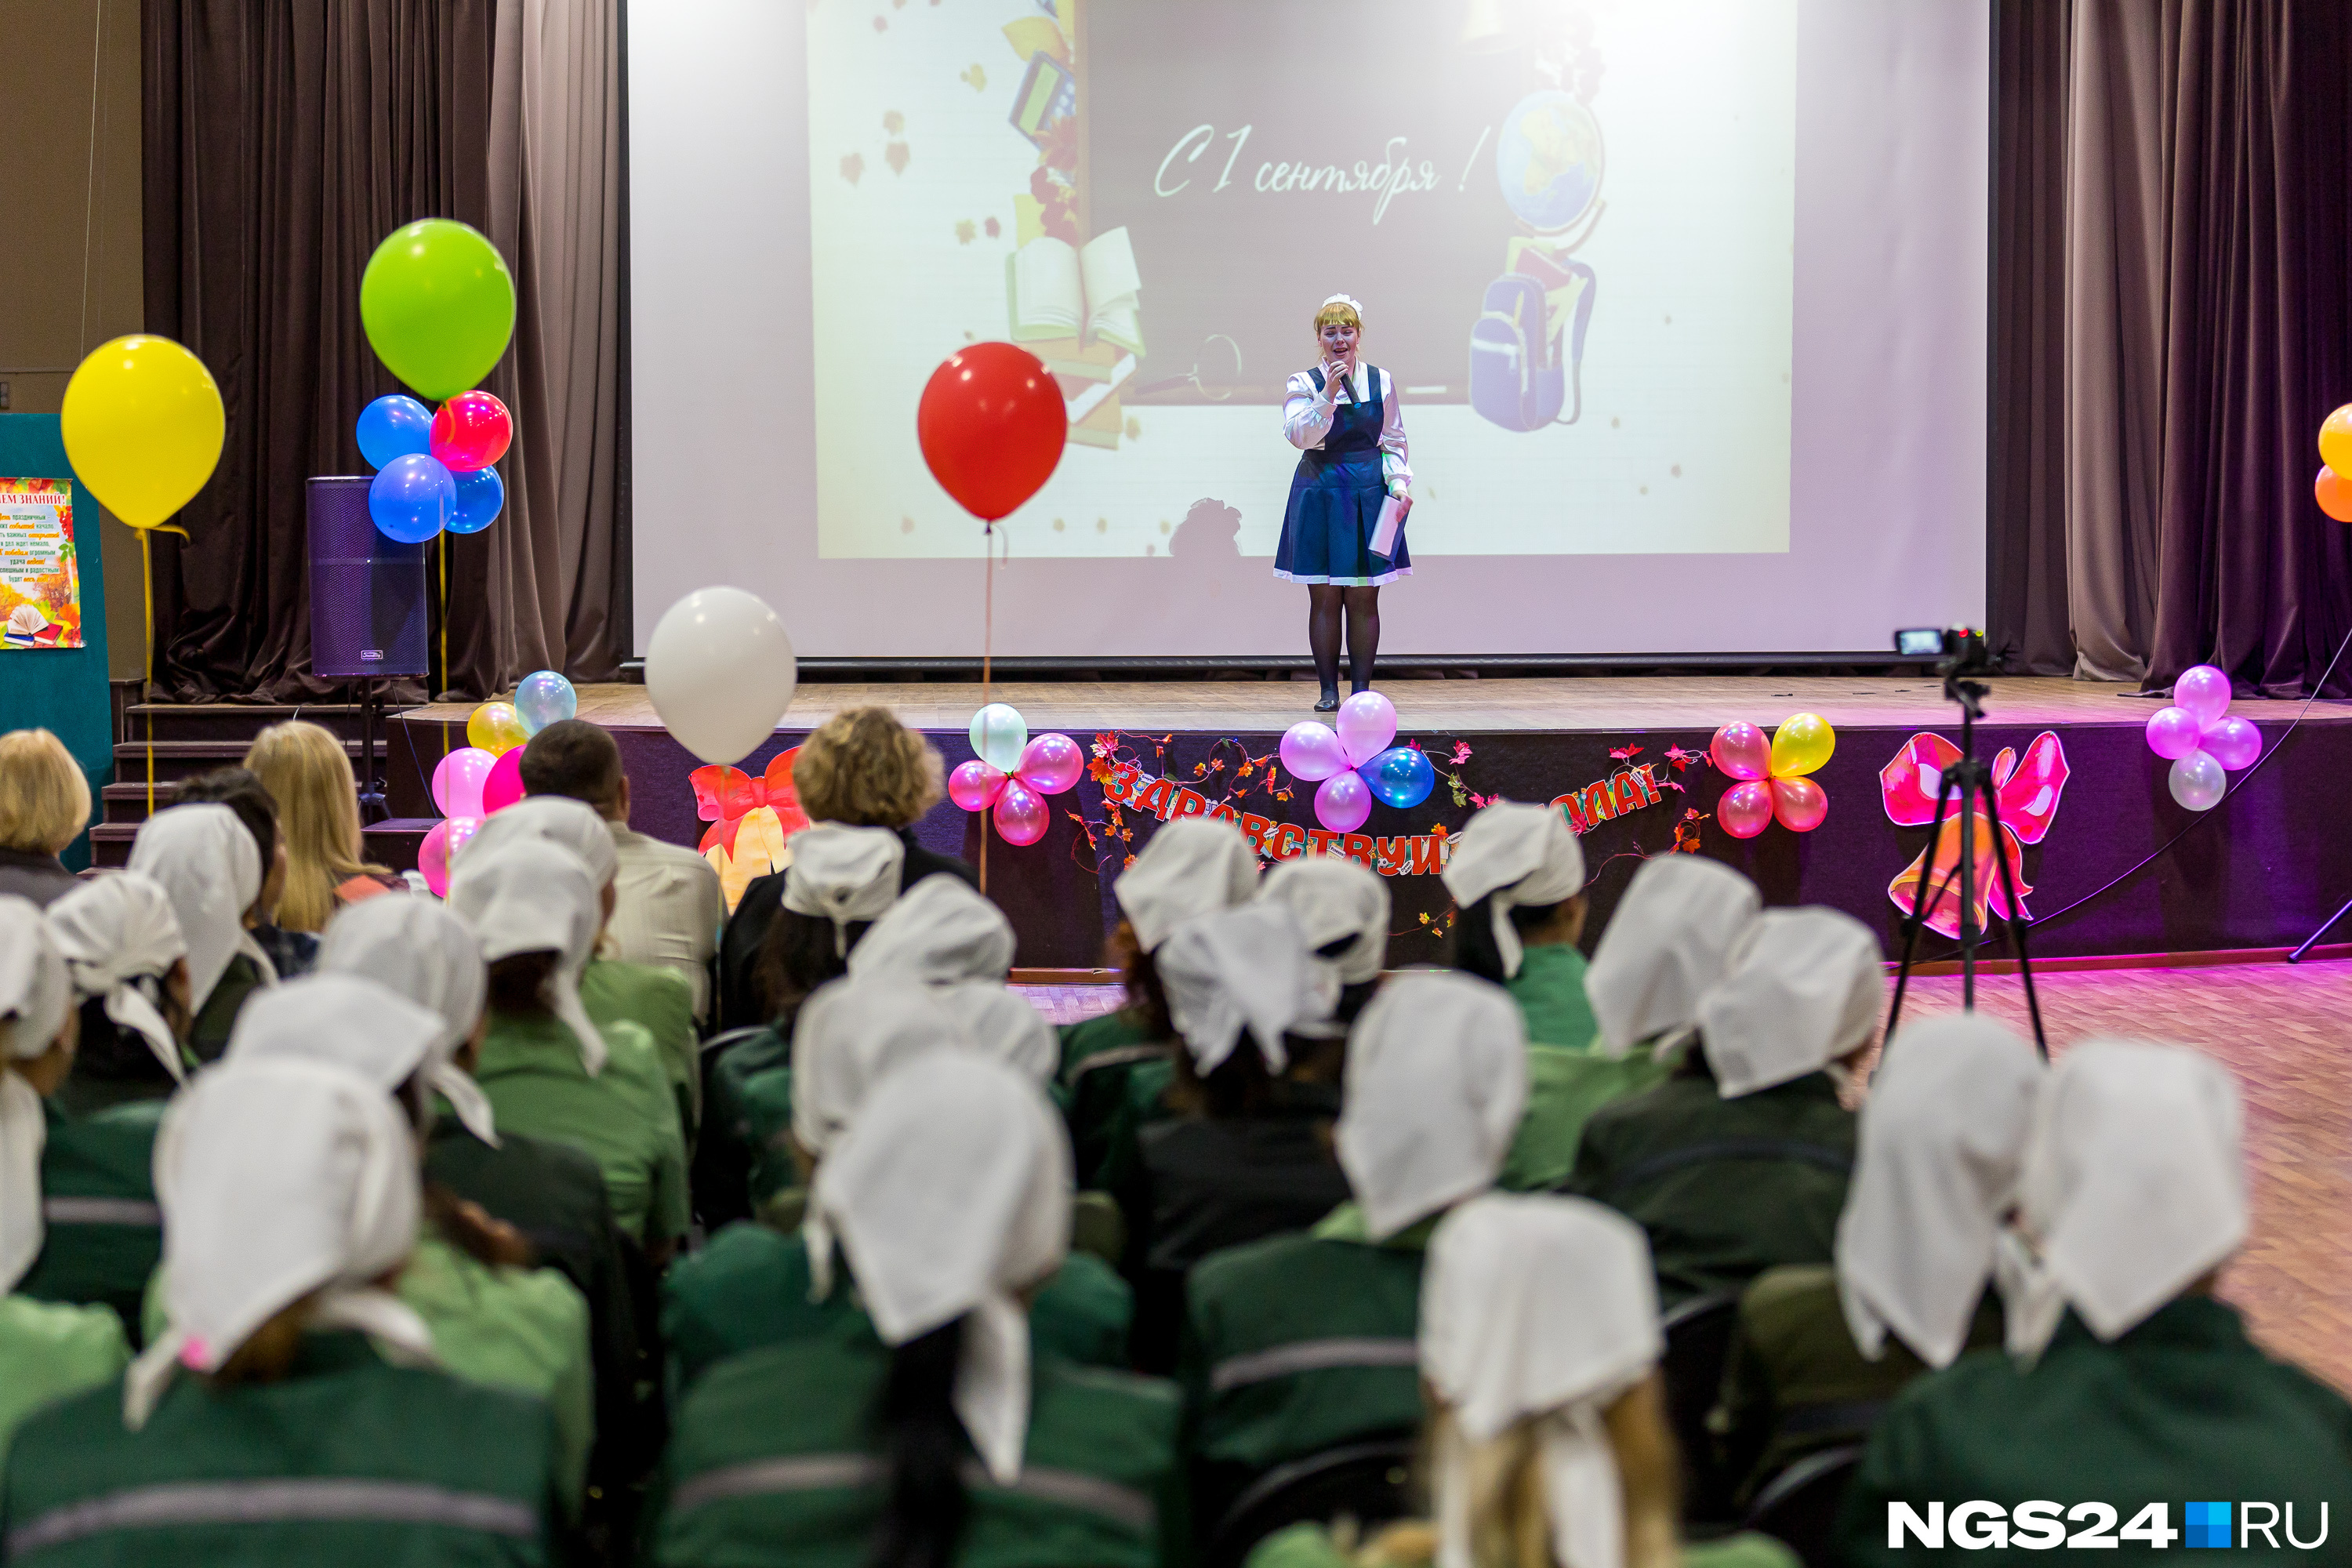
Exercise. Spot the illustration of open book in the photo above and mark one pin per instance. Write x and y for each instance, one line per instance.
(1057, 290)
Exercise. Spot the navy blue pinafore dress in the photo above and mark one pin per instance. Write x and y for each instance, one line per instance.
(1335, 501)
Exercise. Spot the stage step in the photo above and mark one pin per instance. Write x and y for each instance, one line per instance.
(392, 843)
(235, 721)
(183, 758)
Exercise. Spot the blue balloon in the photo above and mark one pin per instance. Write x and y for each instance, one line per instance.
(394, 427)
(1400, 776)
(481, 495)
(412, 499)
(543, 699)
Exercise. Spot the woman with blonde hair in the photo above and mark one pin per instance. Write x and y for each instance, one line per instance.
(43, 805)
(303, 767)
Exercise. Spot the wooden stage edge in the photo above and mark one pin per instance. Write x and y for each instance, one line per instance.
(1529, 704)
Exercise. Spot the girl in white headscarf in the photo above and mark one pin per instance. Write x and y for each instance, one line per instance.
(122, 944)
(1665, 945)
(419, 950)
(1343, 906)
(841, 880)
(1518, 876)
(210, 866)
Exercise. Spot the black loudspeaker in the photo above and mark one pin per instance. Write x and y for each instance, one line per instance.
(367, 591)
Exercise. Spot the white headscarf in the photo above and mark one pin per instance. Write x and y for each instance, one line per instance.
(1345, 300)
(114, 933)
(420, 950)
(952, 1195)
(1541, 1307)
(1336, 899)
(1941, 1139)
(939, 931)
(35, 996)
(528, 895)
(1436, 1081)
(844, 874)
(347, 1020)
(1802, 988)
(1514, 855)
(1243, 969)
(2134, 1186)
(559, 819)
(211, 867)
(1666, 943)
(1003, 1025)
(847, 1035)
(279, 1178)
(1190, 866)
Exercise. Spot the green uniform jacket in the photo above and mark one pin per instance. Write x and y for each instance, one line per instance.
(1098, 1057)
(750, 1289)
(1725, 1188)
(2181, 1407)
(348, 1460)
(625, 1118)
(1564, 1088)
(208, 1036)
(50, 1350)
(104, 1233)
(748, 1126)
(1550, 990)
(1311, 1546)
(772, 1462)
(661, 1001)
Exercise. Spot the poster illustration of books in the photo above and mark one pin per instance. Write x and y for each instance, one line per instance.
(40, 586)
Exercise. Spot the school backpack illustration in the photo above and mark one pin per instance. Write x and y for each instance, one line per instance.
(1519, 377)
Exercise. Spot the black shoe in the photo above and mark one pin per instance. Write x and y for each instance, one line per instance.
(1329, 702)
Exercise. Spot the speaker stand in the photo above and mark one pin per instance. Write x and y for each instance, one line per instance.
(373, 808)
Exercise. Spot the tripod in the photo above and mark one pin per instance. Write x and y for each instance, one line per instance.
(1964, 783)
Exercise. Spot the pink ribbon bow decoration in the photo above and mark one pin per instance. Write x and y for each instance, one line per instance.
(2027, 794)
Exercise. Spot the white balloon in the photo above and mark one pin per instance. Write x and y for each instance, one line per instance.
(720, 672)
(2197, 781)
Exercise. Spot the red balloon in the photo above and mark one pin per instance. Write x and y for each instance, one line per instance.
(1746, 808)
(1799, 804)
(470, 431)
(992, 423)
(2334, 494)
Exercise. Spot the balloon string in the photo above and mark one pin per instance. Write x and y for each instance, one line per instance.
(445, 630)
(147, 596)
(987, 650)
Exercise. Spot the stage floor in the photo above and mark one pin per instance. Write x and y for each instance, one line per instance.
(1534, 705)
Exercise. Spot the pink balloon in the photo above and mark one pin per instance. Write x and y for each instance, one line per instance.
(504, 787)
(1799, 804)
(2204, 692)
(1367, 726)
(974, 785)
(1020, 813)
(1051, 764)
(1342, 802)
(1312, 752)
(1741, 751)
(440, 847)
(1746, 808)
(458, 781)
(2234, 743)
(2173, 732)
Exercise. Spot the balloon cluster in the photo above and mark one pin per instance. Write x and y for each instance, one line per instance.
(484, 776)
(433, 471)
(2200, 740)
(1357, 764)
(1771, 777)
(2333, 488)
(1014, 773)
(993, 424)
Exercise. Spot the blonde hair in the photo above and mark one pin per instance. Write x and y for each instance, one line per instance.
(44, 799)
(864, 768)
(1510, 1522)
(1337, 311)
(305, 771)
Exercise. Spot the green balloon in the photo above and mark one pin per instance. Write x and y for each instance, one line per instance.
(439, 305)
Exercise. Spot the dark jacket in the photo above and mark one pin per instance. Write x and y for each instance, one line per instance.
(40, 878)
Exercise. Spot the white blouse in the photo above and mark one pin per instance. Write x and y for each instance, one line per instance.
(1307, 417)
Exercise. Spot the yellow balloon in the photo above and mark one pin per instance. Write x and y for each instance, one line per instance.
(2336, 439)
(1800, 745)
(142, 425)
(496, 727)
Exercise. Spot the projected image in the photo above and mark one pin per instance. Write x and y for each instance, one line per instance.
(1570, 223)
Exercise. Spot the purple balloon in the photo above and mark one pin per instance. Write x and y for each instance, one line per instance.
(1342, 802)
(1051, 764)
(2174, 732)
(1367, 726)
(2204, 692)
(1312, 752)
(2234, 743)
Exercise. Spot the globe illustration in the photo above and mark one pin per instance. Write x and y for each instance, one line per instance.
(1548, 160)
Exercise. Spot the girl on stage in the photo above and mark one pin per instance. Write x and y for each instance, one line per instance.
(1343, 417)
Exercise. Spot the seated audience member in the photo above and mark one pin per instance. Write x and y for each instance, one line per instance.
(43, 806)
(667, 907)
(1517, 875)
(2128, 1383)
(1665, 944)
(213, 869)
(291, 953)
(951, 1432)
(551, 1072)
(1249, 1155)
(861, 768)
(47, 1348)
(304, 768)
(960, 947)
(1115, 1068)
(289, 1413)
(1739, 1163)
(1305, 1342)
(841, 879)
(1820, 1350)
(1546, 1439)
(123, 954)
(496, 1318)
(751, 1285)
(1343, 906)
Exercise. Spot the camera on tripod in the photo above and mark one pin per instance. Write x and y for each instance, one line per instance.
(1960, 650)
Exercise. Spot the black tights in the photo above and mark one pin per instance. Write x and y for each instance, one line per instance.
(1363, 606)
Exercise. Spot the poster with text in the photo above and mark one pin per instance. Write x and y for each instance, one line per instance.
(41, 582)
